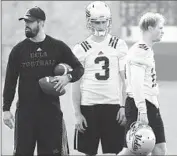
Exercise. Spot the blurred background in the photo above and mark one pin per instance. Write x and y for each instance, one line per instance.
(66, 21)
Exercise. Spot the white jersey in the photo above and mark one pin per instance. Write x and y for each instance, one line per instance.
(102, 62)
(141, 74)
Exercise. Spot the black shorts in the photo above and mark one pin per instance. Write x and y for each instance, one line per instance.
(102, 125)
(154, 117)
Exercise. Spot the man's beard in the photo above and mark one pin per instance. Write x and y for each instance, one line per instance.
(31, 33)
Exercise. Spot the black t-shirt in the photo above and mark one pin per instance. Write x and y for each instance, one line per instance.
(29, 61)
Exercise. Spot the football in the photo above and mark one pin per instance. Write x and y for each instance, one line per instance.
(48, 87)
(62, 69)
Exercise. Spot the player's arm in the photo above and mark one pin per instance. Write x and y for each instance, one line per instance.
(12, 73)
(76, 93)
(123, 88)
(138, 64)
(71, 59)
(137, 83)
(81, 122)
(76, 97)
(123, 50)
(121, 113)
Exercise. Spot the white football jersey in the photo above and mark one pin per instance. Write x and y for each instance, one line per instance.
(102, 62)
(140, 55)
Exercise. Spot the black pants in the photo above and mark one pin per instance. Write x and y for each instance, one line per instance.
(154, 117)
(44, 126)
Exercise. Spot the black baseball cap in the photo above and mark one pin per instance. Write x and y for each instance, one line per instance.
(34, 14)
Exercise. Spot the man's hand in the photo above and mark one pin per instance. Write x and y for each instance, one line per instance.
(8, 119)
(61, 82)
(121, 116)
(80, 122)
(142, 117)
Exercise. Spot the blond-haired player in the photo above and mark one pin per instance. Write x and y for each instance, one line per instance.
(142, 101)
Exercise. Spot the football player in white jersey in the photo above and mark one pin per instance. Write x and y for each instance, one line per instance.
(142, 101)
(99, 96)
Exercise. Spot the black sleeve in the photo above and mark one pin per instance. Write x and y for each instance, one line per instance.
(12, 73)
(71, 59)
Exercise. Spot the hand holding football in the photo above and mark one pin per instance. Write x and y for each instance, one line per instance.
(48, 87)
(46, 83)
(62, 69)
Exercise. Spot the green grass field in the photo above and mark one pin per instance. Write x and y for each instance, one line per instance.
(167, 98)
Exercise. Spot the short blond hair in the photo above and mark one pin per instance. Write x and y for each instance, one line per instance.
(150, 19)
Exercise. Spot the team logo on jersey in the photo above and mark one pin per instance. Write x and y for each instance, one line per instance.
(39, 49)
(113, 42)
(86, 46)
(143, 46)
(100, 53)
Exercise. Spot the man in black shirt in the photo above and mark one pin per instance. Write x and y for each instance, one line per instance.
(38, 116)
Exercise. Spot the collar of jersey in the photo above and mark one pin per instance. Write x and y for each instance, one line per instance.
(99, 43)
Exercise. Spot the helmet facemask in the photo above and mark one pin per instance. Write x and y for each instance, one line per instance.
(99, 27)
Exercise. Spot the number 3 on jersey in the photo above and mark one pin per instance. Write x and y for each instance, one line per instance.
(105, 67)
